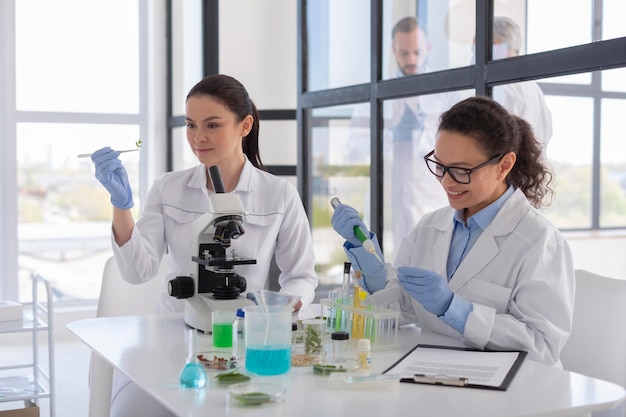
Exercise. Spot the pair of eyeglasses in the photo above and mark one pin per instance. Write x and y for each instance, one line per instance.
(460, 175)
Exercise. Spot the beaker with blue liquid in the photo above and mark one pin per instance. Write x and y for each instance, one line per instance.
(268, 334)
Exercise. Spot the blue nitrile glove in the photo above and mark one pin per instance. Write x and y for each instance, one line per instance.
(374, 272)
(344, 219)
(427, 287)
(112, 174)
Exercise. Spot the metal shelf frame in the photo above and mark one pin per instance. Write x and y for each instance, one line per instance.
(37, 381)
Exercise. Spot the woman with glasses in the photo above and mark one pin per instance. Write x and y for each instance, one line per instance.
(489, 269)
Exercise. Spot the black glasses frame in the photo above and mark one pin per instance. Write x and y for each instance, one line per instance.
(467, 171)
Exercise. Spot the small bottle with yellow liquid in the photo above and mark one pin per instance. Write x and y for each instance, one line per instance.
(358, 298)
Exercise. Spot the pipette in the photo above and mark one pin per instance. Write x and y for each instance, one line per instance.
(358, 232)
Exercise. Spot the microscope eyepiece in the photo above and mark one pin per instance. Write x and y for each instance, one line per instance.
(216, 179)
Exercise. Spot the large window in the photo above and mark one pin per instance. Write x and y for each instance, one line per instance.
(340, 153)
(70, 86)
(563, 72)
(587, 155)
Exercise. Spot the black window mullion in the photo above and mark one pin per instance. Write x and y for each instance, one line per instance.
(484, 35)
(210, 37)
(486, 73)
(376, 121)
(304, 139)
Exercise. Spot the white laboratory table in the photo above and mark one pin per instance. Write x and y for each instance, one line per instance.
(151, 351)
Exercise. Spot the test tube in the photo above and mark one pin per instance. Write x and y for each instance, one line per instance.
(332, 311)
(368, 325)
(358, 320)
(346, 279)
(346, 316)
(339, 319)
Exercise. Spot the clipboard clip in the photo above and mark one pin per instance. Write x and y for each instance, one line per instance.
(439, 380)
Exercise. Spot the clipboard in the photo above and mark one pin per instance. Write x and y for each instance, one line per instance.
(458, 367)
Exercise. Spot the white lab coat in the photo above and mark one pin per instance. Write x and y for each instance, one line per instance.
(415, 191)
(526, 100)
(275, 224)
(519, 277)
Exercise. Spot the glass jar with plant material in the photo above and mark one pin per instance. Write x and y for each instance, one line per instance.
(314, 335)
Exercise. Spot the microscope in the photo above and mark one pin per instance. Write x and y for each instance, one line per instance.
(216, 285)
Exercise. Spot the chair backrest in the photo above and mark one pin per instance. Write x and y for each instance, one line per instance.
(120, 298)
(597, 344)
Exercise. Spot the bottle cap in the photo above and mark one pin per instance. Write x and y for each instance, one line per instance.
(340, 335)
(240, 313)
(363, 344)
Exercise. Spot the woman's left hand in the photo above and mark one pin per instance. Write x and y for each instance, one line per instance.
(429, 288)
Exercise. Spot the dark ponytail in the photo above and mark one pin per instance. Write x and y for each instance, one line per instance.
(530, 172)
(250, 143)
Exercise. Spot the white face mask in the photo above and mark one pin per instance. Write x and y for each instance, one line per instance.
(499, 51)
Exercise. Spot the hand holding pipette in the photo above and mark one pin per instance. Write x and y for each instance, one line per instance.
(347, 223)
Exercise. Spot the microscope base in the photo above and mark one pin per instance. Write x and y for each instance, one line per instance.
(198, 310)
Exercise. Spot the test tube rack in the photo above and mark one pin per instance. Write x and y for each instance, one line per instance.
(376, 323)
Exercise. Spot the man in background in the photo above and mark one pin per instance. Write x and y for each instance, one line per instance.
(409, 46)
(410, 127)
(413, 125)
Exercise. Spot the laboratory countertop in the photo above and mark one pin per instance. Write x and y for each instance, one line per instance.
(151, 350)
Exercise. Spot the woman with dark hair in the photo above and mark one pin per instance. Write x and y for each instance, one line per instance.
(222, 127)
(489, 269)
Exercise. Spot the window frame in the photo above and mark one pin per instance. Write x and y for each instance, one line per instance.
(483, 76)
(149, 119)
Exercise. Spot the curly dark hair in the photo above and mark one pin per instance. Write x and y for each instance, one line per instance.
(498, 132)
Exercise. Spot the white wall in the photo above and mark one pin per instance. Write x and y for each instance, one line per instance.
(603, 253)
(258, 47)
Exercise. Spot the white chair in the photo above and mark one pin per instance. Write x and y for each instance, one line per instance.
(597, 344)
(119, 298)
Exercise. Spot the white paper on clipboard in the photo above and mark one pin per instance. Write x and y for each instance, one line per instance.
(446, 365)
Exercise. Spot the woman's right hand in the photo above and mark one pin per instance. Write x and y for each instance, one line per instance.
(112, 174)
(344, 219)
